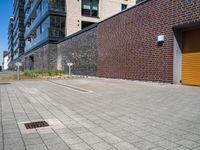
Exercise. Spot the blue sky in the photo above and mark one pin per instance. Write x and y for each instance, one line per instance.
(5, 13)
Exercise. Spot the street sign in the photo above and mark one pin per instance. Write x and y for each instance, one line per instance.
(69, 64)
(18, 64)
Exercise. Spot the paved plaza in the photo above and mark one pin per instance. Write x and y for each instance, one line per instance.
(99, 114)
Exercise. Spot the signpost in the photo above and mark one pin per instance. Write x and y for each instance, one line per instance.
(18, 64)
(69, 65)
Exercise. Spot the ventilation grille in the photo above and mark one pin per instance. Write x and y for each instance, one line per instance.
(38, 124)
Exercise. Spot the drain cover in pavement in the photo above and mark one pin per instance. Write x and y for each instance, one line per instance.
(33, 125)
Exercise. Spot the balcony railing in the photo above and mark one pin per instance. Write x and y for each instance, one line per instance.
(50, 33)
(15, 26)
(58, 8)
(35, 22)
(33, 7)
(43, 36)
(18, 44)
(26, 4)
(16, 55)
(18, 14)
(17, 5)
(18, 35)
(56, 33)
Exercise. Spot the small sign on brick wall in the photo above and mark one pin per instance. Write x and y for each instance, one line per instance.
(69, 64)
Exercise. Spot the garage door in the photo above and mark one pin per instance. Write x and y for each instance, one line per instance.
(191, 57)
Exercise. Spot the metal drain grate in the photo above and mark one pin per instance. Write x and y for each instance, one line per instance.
(33, 125)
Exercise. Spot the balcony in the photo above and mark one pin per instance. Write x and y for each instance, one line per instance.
(27, 2)
(10, 36)
(33, 7)
(42, 37)
(18, 44)
(18, 14)
(58, 8)
(10, 42)
(35, 22)
(16, 55)
(17, 4)
(10, 45)
(15, 26)
(40, 16)
(48, 34)
(18, 36)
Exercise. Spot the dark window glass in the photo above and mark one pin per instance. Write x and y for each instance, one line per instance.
(138, 1)
(90, 8)
(123, 7)
(57, 26)
(57, 4)
(85, 24)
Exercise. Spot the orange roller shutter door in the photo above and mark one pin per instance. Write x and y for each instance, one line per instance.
(191, 57)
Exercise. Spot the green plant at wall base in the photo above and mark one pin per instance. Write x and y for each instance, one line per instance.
(35, 73)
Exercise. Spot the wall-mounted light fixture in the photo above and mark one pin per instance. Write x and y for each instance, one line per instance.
(161, 39)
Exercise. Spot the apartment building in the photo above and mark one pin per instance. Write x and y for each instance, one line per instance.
(18, 28)
(10, 39)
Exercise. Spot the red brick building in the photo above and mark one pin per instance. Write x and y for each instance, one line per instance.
(128, 45)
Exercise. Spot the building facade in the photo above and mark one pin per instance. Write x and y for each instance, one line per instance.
(83, 13)
(18, 28)
(44, 22)
(49, 21)
(5, 60)
(10, 39)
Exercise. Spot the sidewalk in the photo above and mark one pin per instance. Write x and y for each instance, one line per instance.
(99, 114)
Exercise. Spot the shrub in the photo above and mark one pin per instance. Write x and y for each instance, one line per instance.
(35, 73)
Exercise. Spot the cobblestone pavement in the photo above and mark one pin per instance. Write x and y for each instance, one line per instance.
(99, 114)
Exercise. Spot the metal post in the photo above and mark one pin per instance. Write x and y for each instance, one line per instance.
(69, 65)
(69, 70)
(18, 72)
(18, 64)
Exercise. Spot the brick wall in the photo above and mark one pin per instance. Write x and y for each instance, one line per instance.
(185, 12)
(127, 43)
(81, 50)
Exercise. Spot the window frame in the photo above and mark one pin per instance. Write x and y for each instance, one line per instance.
(91, 11)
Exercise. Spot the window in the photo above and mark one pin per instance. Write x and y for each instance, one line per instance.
(57, 4)
(138, 1)
(123, 7)
(90, 8)
(45, 25)
(85, 24)
(57, 26)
